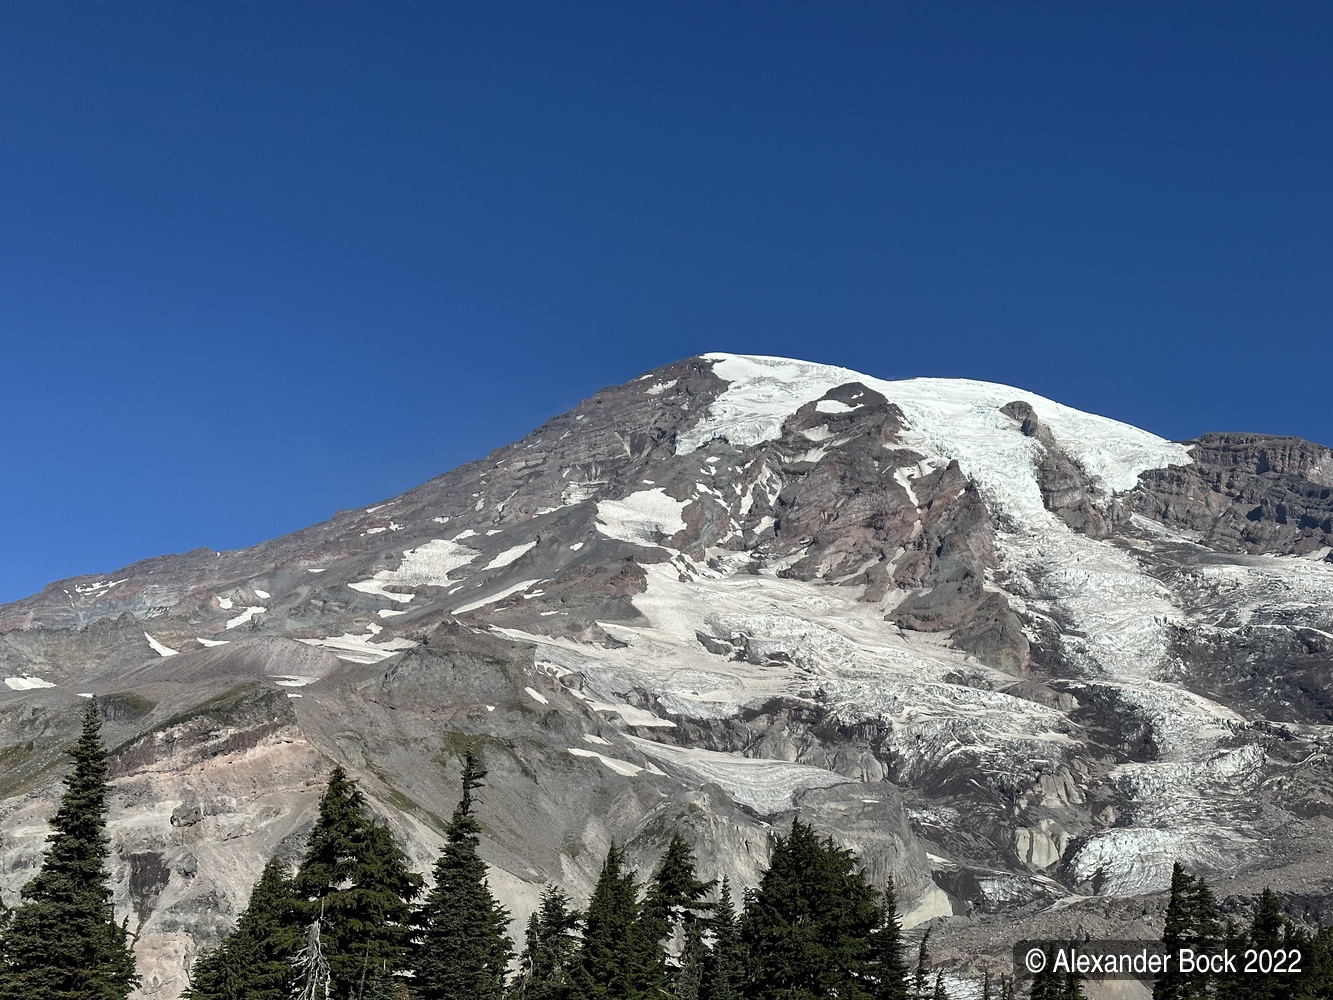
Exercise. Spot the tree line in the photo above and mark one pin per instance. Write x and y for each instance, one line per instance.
(1194, 921)
(351, 922)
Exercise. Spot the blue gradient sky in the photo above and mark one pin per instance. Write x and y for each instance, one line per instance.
(261, 261)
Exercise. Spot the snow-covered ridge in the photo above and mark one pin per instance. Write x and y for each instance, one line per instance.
(947, 418)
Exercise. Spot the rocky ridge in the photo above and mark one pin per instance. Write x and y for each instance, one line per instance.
(1017, 655)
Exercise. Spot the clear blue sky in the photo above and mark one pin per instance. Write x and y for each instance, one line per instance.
(263, 260)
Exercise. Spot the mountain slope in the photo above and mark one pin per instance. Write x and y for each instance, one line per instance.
(1012, 652)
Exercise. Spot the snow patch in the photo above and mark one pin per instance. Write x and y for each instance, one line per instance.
(645, 518)
(376, 588)
(766, 786)
(245, 616)
(474, 605)
(359, 648)
(159, 648)
(26, 683)
(211, 642)
(619, 766)
(293, 680)
(427, 565)
(510, 555)
(537, 696)
(833, 406)
(99, 588)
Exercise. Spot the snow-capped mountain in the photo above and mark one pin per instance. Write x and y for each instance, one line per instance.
(1021, 656)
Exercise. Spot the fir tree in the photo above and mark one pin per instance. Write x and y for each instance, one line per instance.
(688, 983)
(1267, 931)
(1204, 935)
(672, 898)
(1073, 987)
(612, 912)
(1177, 934)
(354, 881)
(987, 990)
(1316, 981)
(1231, 986)
(62, 942)
(922, 968)
(1047, 984)
(887, 968)
(1266, 927)
(550, 953)
(253, 962)
(674, 889)
(464, 950)
(939, 993)
(724, 976)
(807, 928)
(383, 985)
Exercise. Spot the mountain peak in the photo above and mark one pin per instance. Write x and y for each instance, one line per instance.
(1012, 651)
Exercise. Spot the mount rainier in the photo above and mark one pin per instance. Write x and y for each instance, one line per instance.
(1022, 657)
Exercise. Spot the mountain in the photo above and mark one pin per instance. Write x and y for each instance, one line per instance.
(1020, 656)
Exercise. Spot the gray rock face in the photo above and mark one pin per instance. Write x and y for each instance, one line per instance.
(1011, 653)
(1247, 493)
(1066, 488)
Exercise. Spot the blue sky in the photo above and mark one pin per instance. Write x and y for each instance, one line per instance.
(263, 260)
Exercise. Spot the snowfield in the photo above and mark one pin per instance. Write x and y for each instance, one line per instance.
(645, 518)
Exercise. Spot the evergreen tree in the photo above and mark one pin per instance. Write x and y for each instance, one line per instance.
(1232, 986)
(550, 953)
(1316, 981)
(1172, 984)
(1006, 987)
(62, 942)
(464, 949)
(922, 968)
(1073, 987)
(1047, 984)
(674, 889)
(887, 972)
(606, 962)
(688, 983)
(1204, 935)
(987, 990)
(383, 985)
(939, 993)
(253, 962)
(807, 928)
(725, 974)
(670, 904)
(1266, 932)
(354, 881)
(1266, 927)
